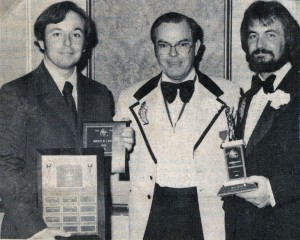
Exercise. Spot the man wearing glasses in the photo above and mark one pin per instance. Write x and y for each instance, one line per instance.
(177, 166)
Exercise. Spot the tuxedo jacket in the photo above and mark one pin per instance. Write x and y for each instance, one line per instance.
(273, 151)
(34, 115)
(197, 135)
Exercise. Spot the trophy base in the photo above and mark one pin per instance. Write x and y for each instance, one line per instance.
(237, 188)
(79, 237)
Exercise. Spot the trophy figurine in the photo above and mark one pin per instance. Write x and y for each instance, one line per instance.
(235, 163)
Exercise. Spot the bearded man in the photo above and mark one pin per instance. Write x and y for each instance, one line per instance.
(268, 121)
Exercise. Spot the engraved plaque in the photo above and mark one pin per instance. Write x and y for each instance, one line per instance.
(236, 169)
(72, 191)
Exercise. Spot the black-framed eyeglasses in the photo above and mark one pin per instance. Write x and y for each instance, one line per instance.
(164, 48)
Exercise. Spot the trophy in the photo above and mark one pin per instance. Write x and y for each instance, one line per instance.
(235, 163)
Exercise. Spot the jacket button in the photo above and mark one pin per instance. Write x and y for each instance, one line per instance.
(149, 197)
(151, 177)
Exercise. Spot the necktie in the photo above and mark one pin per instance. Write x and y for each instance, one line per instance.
(186, 90)
(67, 92)
(267, 85)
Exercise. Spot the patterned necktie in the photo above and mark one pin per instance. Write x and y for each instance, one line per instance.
(186, 90)
(67, 92)
(267, 85)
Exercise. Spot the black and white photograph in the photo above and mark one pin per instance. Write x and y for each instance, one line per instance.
(150, 119)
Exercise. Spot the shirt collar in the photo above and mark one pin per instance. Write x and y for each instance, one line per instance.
(190, 76)
(280, 74)
(60, 81)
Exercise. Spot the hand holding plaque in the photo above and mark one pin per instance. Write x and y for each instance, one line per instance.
(107, 135)
(235, 163)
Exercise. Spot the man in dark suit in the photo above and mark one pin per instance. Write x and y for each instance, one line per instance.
(45, 109)
(268, 121)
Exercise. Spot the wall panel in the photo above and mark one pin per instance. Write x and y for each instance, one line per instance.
(125, 53)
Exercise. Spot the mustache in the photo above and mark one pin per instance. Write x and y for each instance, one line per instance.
(261, 50)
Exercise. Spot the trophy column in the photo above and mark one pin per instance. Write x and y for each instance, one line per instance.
(235, 163)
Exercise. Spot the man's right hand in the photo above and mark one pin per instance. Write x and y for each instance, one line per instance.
(50, 234)
(259, 197)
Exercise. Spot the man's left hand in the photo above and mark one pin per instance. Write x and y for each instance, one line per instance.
(128, 137)
(259, 197)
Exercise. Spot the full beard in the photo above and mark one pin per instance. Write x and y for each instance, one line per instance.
(258, 65)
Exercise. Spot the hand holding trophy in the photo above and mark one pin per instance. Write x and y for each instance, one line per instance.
(235, 162)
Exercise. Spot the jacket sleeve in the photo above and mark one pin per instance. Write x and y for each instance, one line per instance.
(285, 178)
(15, 192)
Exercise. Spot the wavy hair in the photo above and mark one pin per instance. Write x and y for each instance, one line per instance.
(56, 13)
(266, 13)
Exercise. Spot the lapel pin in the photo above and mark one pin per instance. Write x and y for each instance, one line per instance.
(143, 113)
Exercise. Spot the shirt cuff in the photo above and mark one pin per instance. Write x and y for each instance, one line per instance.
(272, 199)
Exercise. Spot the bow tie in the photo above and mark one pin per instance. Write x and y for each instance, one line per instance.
(186, 90)
(267, 85)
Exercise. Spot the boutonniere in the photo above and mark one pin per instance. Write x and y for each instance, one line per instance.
(278, 99)
(143, 113)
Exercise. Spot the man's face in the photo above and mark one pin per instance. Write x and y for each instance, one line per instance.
(64, 41)
(174, 64)
(266, 46)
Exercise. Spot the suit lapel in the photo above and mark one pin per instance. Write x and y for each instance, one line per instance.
(210, 108)
(269, 114)
(290, 83)
(140, 110)
(262, 127)
(49, 96)
(85, 100)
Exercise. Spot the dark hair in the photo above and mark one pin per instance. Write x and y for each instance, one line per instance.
(174, 17)
(56, 13)
(266, 13)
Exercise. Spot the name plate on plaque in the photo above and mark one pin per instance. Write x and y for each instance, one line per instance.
(72, 192)
(236, 169)
(106, 135)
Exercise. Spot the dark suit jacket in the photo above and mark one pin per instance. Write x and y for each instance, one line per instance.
(273, 151)
(34, 115)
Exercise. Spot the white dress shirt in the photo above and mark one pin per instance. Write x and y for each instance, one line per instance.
(177, 171)
(257, 106)
(60, 81)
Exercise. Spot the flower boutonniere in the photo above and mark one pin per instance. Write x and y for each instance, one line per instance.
(278, 99)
